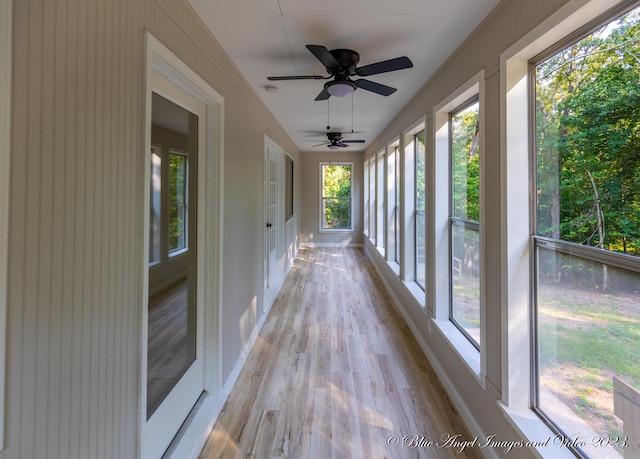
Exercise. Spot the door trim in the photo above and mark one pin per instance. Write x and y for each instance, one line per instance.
(5, 150)
(160, 61)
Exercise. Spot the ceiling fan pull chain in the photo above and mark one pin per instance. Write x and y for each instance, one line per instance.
(352, 113)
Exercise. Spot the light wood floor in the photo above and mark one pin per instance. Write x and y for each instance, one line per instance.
(335, 373)
(170, 349)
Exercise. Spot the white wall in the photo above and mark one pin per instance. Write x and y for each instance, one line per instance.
(76, 207)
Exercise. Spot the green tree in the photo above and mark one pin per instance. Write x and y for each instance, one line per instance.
(336, 193)
(588, 139)
(465, 159)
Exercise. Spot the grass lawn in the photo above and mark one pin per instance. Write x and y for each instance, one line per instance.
(585, 338)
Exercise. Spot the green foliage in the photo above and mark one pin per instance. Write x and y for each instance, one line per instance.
(177, 201)
(588, 124)
(465, 164)
(336, 193)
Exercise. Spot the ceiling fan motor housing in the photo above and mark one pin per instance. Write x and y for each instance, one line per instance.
(348, 61)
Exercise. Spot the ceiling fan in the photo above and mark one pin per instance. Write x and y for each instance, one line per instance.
(341, 64)
(335, 141)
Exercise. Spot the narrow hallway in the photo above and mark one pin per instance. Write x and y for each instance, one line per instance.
(335, 372)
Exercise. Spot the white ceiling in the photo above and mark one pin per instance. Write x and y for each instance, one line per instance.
(268, 37)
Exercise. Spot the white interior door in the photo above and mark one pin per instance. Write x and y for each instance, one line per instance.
(271, 212)
(273, 219)
(175, 279)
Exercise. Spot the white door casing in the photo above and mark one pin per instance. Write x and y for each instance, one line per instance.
(171, 78)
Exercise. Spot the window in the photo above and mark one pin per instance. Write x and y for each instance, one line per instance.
(372, 200)
(288, 183)
(464, 220)
(366, 198)
(455, 291)
(381, 202)
(169, 186)
(413, 267)
(335, 197)
(586, 235)
(177, 202)
(393, 200)
(420, 206)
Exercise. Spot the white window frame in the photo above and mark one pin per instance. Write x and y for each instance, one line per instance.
(321, 194)
(372, 200)
(381, 231)
(184, 154)
(516, 214)
(409, 260)
(366, 197)
(289, 184)
(5, 149)
(459, 222)
(392, 211)
(438, 179)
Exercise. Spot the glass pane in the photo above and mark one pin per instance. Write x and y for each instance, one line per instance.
(372, 200)
(172, 279)
(288, 181)
(465, 163)
(421, 249)
(587, 139)
(336, 196)
(177, 202)
(588, 335)
(465, 303)
(336, 213)
(420, 171)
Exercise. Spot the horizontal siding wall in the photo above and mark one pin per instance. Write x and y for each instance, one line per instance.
(74, 310)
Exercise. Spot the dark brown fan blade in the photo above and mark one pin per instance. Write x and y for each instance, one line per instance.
(353, 141)
(320, 144)
(323, 55)
(296, 77)
(324, 95)
(378, 88)
(341, 144)
(390, 65)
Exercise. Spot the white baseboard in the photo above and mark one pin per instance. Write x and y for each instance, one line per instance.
(331, 244)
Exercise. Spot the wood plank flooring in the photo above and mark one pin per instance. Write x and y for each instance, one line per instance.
(170, 348)
(334, 373)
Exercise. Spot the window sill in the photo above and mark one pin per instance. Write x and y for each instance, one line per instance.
(462, 347)
(178, 252)
(544, 442)
(338, 230)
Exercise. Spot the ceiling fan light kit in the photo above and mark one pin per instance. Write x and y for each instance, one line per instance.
(340, 88)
